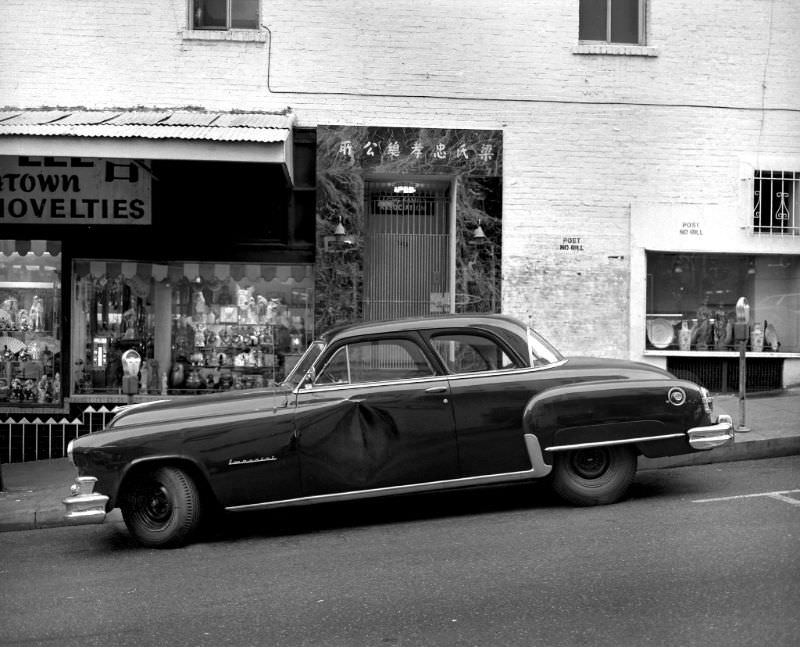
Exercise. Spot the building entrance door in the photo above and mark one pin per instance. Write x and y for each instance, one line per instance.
(408, 252)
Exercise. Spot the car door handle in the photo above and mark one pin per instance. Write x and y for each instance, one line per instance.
(436, 389)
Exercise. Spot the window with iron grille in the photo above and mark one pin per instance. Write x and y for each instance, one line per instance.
(776, 201)
(224, 14)
(612, 21)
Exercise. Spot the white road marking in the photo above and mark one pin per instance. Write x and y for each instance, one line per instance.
(780, 496)
(786, 499)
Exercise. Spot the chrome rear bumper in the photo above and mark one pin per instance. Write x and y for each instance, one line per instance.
(712, 436)
(85, 506)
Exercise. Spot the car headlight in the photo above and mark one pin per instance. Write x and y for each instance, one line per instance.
(69, 451)
(708, 401)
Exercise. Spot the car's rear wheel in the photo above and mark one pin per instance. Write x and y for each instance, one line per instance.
(162, 507)
(595, 475)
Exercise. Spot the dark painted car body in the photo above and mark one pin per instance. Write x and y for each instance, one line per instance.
(417, 422)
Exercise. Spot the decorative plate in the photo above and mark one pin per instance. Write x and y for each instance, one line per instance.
(660, 333)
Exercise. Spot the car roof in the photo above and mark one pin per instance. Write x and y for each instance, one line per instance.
(425, 323)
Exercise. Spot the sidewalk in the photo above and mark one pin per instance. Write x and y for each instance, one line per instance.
(34, 491)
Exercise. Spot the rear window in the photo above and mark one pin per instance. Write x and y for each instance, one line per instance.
(465, 353)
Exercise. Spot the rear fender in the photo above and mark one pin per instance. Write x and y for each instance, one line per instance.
(649, 414)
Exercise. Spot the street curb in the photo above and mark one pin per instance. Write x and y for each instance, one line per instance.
(49, 516)
(44, 518)
(740, 451)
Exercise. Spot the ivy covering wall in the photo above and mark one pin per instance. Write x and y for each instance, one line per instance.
(347, 156)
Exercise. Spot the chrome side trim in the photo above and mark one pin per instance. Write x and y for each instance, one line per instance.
(538, 469)
(606, 443)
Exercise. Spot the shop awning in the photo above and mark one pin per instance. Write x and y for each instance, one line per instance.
(149, 134)
(247, 274)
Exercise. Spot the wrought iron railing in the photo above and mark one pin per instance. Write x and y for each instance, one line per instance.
(40, 438)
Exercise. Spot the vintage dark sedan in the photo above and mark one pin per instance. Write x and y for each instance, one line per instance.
(391, 408)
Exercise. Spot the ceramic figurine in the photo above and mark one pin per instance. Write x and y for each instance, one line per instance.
(36, 313)
(723, 331)
(261, 307)
(42, 389)
(684, 338)
(200, 307)
(144, 377)
(757, 338)
(177, 375)
(771, 337)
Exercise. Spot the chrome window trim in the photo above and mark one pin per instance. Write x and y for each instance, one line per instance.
(539, 469)
(507, 371)
(607, 443)
(315, 388)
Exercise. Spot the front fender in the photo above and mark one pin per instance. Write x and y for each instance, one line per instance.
(193, 467)
(653, 415)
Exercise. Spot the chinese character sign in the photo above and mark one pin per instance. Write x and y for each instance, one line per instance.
(424, 150)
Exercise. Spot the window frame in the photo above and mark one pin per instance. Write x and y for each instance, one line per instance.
(192, 8)
(344, 348)
(641, 28)
(780, 203)
(436, 336)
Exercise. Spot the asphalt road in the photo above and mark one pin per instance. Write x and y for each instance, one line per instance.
(690, 558)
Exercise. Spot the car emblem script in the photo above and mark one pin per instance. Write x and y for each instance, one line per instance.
(676, 396)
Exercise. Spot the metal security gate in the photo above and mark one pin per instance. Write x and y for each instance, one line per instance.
(721, 375)
(406, 258)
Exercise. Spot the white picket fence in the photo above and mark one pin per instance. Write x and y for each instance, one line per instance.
(37, 439)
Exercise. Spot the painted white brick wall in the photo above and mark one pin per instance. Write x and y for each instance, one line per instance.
(585, 136)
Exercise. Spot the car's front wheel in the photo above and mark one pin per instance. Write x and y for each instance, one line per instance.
(595, 475)
(161, 508)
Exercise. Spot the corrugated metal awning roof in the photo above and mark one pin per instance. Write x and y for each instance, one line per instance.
(149, 134)
(148, 124)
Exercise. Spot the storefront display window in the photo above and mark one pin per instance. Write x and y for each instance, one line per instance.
(199, 327)
(691, 301)
(30, 322)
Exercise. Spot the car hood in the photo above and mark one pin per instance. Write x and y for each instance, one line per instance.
(202, 406)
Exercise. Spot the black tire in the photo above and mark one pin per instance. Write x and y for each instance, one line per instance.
(162, 508)
(594, 476)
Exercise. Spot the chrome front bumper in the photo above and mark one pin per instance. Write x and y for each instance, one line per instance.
(717, 435)
(85, 506)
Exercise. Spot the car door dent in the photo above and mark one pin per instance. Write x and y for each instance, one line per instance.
(539, 469)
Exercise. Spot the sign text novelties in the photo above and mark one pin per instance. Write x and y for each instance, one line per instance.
(74, 190)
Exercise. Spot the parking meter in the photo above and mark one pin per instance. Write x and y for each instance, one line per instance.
(741, 333)
(131, 361)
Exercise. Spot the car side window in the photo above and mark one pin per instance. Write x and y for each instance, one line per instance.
(380, 360)
(471, 353)
(336, 371)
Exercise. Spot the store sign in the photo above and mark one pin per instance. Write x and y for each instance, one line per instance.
(74, 190)
(406, 150)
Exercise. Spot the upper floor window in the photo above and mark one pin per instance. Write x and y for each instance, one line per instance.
(612, 21)
(776, 202)
(225, 14)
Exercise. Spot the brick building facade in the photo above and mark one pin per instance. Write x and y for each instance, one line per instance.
(619, 159)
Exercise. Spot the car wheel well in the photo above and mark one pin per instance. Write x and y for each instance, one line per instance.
(143, 467)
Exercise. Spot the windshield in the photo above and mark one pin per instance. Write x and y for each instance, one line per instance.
(303, 364)
(540, 350)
